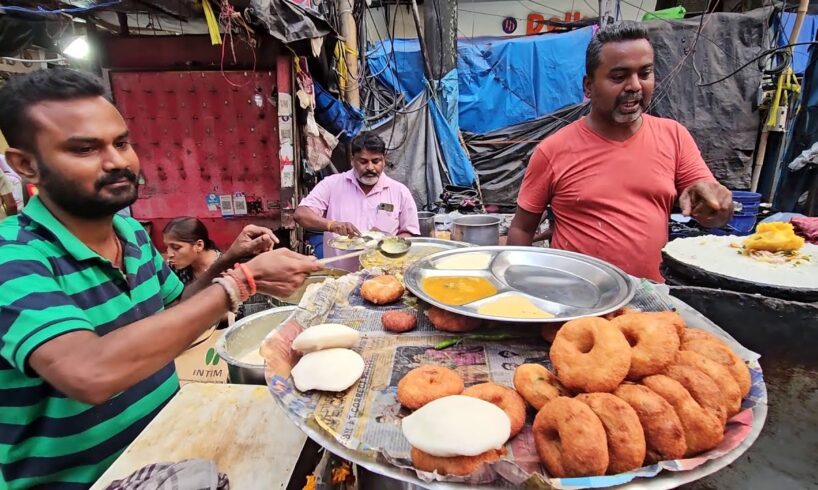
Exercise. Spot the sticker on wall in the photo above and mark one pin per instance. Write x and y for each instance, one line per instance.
(285, 104)
(285, 154)
(212, 202)
(288, 176)
(285, 135)
(239, 204)
(226, 204)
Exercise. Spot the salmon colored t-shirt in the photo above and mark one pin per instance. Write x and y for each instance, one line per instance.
(612, 199)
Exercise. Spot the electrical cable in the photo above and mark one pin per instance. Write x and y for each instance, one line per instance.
(761, 55)
(70, 10)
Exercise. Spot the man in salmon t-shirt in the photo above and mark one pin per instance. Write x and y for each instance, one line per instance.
(612, 177)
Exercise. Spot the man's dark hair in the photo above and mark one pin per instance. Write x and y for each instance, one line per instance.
(624, 31)
(22, 91)
(368, 141)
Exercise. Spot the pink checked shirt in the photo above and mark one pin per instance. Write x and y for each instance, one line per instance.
(340, 198)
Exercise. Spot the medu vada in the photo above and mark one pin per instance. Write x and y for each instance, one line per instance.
(653, 343)
(664, 433)
(456, 465)
(504, 397)
(590, 355)
(626, 439)
(570, 439)
(398, 321)
(703, 430)
(446, 321)
(537, 385)
(382, 290)
(427, 383)
(701, 387)
(728, 387)
(713, 348)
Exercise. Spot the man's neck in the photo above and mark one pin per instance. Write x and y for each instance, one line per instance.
(92, 232)
(612, 130)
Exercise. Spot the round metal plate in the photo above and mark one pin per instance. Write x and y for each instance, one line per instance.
(566, 284)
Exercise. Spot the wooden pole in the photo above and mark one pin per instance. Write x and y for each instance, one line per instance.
(350, 33)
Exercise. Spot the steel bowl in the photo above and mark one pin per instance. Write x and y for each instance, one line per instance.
(477, 229)
(245, 335)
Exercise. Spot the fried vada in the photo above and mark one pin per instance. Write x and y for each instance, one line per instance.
(653, 342)
(537, 385)
(701, 387)
(730, 391)
(455, 465)
(714, 348)
(427, 383)
(626, 439)
(398, 321)
(703, 430)
(504, 397)
(590, 355)
(664, 433)
(446, 321)
(570, 439)
(382, 290)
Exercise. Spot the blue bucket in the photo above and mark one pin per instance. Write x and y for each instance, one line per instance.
(744, 221)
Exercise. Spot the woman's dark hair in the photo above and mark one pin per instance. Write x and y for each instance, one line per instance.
(189, 230)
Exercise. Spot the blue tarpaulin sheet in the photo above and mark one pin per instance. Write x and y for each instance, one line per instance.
(800, 54)
(337, 116)
(512, 80)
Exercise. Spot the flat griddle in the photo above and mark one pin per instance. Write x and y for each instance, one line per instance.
(682, 273)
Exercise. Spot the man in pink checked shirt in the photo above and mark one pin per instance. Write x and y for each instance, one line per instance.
(361, 199)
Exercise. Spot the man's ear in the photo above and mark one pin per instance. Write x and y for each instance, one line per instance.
(586, 86)
(24, 164)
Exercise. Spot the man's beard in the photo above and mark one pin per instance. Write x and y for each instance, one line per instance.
(368, 178)
(627, 118)
(66, 196)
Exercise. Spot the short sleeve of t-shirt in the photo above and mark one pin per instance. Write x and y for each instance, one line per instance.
(536, 189)
(318, 198)
(170, 286)
(690, 167)
(34, 308)
(6, 186)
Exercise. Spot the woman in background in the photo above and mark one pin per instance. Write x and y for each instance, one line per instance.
(190, 251)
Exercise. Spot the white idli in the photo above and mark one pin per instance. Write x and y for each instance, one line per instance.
(457, 425)
(328, 370)
(326, 336)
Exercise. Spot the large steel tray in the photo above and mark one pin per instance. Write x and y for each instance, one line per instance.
(566, 284)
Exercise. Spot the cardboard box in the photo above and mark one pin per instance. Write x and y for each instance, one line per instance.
(200, 363)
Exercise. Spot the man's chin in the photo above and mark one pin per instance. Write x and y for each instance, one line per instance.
(627, 118)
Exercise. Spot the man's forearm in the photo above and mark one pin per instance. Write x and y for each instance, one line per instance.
(221, 264)
(310, 220)
(520, 237)
(93, 368)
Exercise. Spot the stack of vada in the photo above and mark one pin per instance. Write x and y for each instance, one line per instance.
(646, 389)
(455, 430)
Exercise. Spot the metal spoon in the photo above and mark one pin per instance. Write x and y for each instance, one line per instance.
(392, 247)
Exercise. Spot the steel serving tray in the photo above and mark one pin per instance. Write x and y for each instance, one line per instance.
(566, 284)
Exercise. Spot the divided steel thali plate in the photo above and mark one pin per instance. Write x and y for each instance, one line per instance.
(565, 284)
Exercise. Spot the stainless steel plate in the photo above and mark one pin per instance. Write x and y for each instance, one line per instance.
(421, 247)
(566, 284)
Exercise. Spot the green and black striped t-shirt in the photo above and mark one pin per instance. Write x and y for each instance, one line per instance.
(52, 284)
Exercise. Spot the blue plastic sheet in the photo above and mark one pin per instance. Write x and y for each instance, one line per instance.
(513, 80)
(337, 116)
(800, 54)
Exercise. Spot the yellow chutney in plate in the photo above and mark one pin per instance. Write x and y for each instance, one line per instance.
(513, 306)
(458, 290)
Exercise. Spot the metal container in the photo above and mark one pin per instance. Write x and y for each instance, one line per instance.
(244, 336)
(426, 220)
(478, 229)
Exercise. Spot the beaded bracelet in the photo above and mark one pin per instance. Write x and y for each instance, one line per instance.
(239, 279)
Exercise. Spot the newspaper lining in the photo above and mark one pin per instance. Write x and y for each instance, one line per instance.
(367, 417)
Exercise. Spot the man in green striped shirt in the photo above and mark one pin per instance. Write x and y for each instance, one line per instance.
(86, 339)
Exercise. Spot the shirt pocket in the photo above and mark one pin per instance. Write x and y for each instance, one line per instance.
(387, 222)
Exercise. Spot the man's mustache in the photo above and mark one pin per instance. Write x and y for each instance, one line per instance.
(629, 97)
(115, 176)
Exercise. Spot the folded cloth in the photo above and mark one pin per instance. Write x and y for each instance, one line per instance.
(190, 474)
(806, 227)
